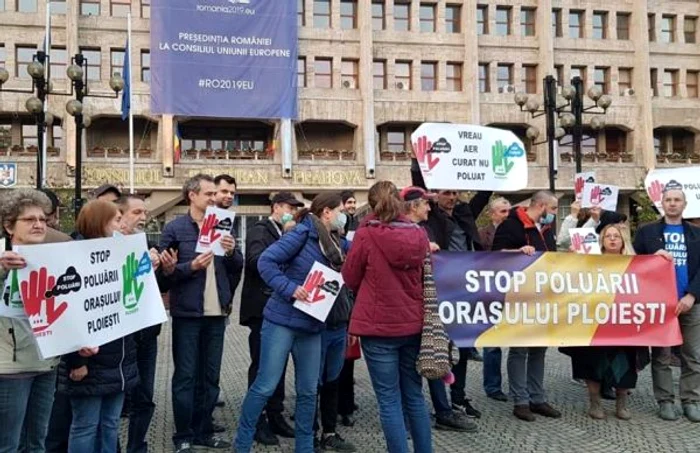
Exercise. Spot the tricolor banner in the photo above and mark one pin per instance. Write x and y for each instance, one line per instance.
(556, 299)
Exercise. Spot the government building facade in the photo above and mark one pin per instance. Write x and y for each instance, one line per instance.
(369, 72)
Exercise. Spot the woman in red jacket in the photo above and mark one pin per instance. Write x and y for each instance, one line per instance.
(384, 269)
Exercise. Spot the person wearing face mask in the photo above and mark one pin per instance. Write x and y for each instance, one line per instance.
(253, 299)
(529, 230)
(284, 266)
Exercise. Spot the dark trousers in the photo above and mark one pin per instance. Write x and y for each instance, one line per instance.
(458, 389)
(275, 405)
(332, 360)
(346, 389)
(59, 424)
(197, 345)
(141, 397)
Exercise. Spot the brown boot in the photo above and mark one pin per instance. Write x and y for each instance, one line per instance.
(523, 412)
(595, 411)
(621, 410)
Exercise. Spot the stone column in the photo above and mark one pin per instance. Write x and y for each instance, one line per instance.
(643, 135)
(367, 126)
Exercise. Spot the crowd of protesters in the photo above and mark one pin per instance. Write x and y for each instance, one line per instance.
(73, 404)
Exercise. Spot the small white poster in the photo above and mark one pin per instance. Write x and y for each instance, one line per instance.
(323, 285)
(600, 195)
(585, 241)
(685, 178)
(470, 157)
(217, 224)
(580, 179)
(88, 293)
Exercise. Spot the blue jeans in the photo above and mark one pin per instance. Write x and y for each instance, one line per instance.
(492, 370)
(95, 426)
(198, 344)
(332, 354)
(392, 367)
(526, 375)
(277, 342)
(25, 408)
(438, 395)
(142, 405)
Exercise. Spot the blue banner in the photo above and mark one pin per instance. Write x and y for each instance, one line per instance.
(224, 58)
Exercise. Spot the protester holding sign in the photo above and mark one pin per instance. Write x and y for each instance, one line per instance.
(96, 385)
(528, 230)
(577, 218)
(384, 269)
(284, 267)
(679, 242)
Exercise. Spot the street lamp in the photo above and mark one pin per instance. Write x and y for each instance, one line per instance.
(568, 107)
(77, 73)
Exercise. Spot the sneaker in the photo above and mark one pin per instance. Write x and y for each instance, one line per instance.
(183, 447)
(217, 428)
(545, 410)
(523, 412)
(667, 411)
(212, 442)
(279, 425)
(334, 442)
(498, 396)
(264, 436)
(692, 412)
(455, 422)
(467, 408)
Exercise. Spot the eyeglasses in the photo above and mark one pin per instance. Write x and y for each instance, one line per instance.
(33, 220)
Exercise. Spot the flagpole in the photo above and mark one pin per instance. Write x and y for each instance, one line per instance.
(47, 77)
(131, 115)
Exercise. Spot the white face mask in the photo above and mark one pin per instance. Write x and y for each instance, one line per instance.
(339, 222)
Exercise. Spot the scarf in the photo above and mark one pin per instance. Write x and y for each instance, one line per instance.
(329, 243)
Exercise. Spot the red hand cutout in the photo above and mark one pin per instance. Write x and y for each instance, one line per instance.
(209, 229)
(579, 244)
(313, 284)
(42, 310)
(656, 190)
(421, 148)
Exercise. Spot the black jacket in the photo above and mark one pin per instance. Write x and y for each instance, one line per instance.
(518, 230)
(111, 370)
(255, 292)
(352, 223)
(439, 225)
(650, 239)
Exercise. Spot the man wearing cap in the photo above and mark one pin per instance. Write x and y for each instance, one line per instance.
(253, 299)
(107, 192)
(677, 241)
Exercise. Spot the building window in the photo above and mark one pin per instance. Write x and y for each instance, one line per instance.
(5, 135)
(94, 63)
(651, 20)
(301, 72)
(427, 17)
(691, 83)
(668, 28)
(504, 76)
(146, 9)
(3, 55)
(600, 25)
(57, 136)
(482, 20)
(322, 14)
(579, 71)
(503, 21)
(378, 15)
(670, 83)
(589, 144)
(527, 22)
(2, 8)
(301, 13)
(29, 137)
(119, 8)
(623, 26)
(453, 16)
(403, 75)
(23, 56)
(576, 24)
(379, 74)
(348, 14)
(396, 140)
(654, 77)
(624, 81)
(349, 73)
(58, 62)
(428, 76)
(117, 62)
(690, 29)
(484, 78)
(557, 30)
(454, 76)
(600, 79)
(146, 66)
(529, 78)
(90, 7)
(57, 7)
(402, 16)
(27, 6)
(323, 73)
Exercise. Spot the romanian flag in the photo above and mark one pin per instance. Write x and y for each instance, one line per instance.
(177, 145)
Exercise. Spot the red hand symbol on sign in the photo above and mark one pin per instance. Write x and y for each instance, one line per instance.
(579, 244)
(421, 148)
(578, 187)
(208, 231)
(597, 195)
(313, 284)
(656, 190)
(42, 310)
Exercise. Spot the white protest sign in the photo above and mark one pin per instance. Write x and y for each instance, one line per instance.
(600, 195)
(323, 285)
(585, 241)
(217, 224)
(88, 293)
(469, 157)
(580, 179)
(685, 178)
